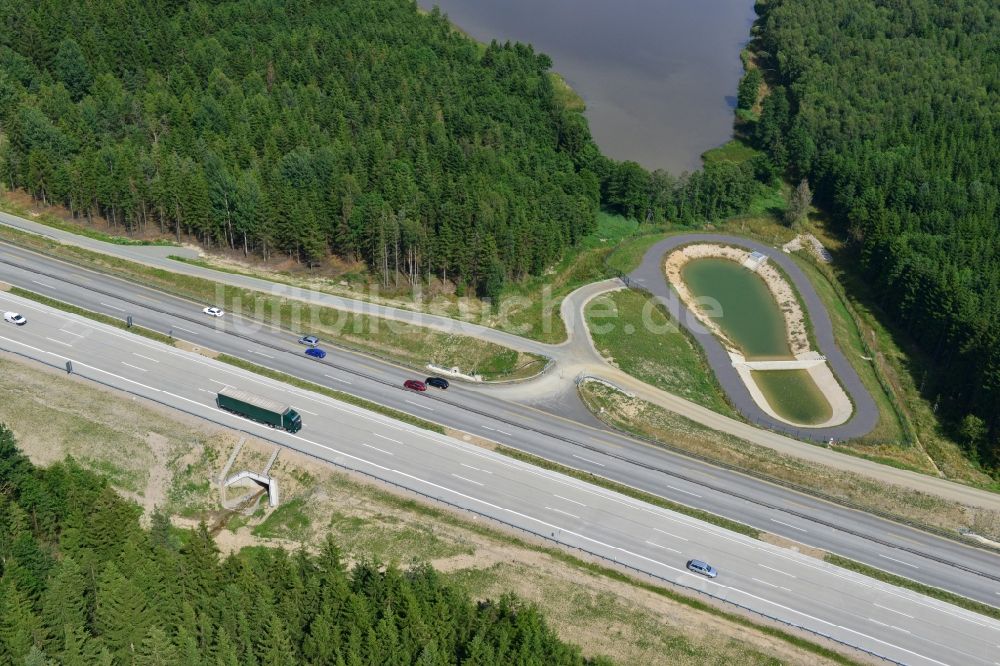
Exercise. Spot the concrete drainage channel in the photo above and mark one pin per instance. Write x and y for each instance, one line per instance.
(622, 458)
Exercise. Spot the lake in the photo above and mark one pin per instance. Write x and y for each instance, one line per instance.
(659, 76)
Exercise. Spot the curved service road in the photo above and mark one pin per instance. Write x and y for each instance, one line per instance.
(650, 277)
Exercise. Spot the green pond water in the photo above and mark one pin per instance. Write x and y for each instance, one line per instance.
(749, 314)
(793, 395)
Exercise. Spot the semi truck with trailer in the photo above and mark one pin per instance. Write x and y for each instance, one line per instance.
(259, 409)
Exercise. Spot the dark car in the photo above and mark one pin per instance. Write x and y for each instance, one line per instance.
(415, 385)
(310, 340)
(437, 382)
(703, 568)
(315, 352)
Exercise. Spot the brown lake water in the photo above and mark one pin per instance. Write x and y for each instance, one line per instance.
(659, 76)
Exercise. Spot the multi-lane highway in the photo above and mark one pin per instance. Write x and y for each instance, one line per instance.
(905, 551)
(795, 588)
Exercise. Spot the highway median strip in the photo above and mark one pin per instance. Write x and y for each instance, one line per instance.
(926, 590)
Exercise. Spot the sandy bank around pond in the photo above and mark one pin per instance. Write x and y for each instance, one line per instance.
(784, 295)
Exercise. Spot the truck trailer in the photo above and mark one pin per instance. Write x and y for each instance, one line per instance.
(256, 408)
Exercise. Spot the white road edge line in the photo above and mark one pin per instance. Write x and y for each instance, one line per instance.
(686, 492)
(569, 500)
(465, 479)
(672, 550)
(565, 513)
(783, 573)
(900, 561)
(773, 520)
(892, 610)
(430, 409)
(669, 534)
(592, 462)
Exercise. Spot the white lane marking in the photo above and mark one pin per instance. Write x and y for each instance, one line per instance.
(145, 357)
(306, 411)
(79, 335)
(43, 284)
(186, 330)
(394, 441)
(563, 512)
(777, 587)
(669, 534)
(900, 561)
(431, 409)
(260, 353)
(783, 573)
(787, 525)
(504, 432)
(672, 550)
(893, 610)
(207, 391)
(883, 624)
(569, 500)
(484, 471)
(686, 492)
(113, 307)
(337, 379)
(592, 462)
(59, 342)
(134, 366)
(465, 479)
(388, 453)
(217, 381)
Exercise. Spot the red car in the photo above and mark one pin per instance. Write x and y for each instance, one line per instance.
(414, 385)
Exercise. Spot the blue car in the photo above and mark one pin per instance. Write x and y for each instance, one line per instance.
(315, 352)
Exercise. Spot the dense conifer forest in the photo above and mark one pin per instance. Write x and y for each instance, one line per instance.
(891, 109)
(359, 127)
(82, 583)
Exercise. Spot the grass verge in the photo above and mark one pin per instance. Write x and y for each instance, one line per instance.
(634, 493)
(637, 335)
(674, 432)
(927, 590)
(330, 393)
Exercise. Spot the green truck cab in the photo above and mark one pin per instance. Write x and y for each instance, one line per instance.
(256, 408)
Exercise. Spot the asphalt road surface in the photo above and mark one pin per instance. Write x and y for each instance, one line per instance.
(649, 275)
(878, 542)
(887, 621)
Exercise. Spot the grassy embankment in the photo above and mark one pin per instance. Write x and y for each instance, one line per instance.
(158, 459)
(644, 341)
(402, 343)
(665, 428)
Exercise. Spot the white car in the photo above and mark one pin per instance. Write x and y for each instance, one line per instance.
(214, 312)
(14, 318)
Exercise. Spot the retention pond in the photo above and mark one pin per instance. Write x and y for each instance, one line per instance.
(743, 307)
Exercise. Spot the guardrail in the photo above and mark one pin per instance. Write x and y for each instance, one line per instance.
(535, 534)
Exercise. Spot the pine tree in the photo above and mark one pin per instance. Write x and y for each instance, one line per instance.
(121, 614)
(156, 650)
(798, 206)
(64, 602)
